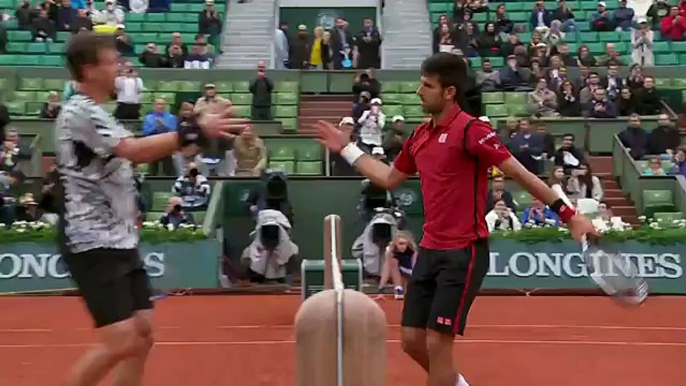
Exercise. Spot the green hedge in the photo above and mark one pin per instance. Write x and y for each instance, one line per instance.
(649, 234)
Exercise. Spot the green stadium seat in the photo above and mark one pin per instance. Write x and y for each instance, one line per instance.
(679, 82)
(287, 166)
(391, 99)
(668, 219)
(596, 48)
(168, 86)
(31, 84)
(522, 199)
(392, 110)
(3, 82)
(666, 60)
(518, 110)
(439, 7)
(286, 98)
(663, 82)
(290, 125)
(7, 4)
(492, 98)
(309, 151)
(140, 48)
(155, 18)
(28, 60)
(512, 7)
(36, 48)
(657, 201)
(223, 87)
(135, 17)
(160, 200)
(496, 110)
(519, 17)
(180, 8)
(19, 36)
(241, 99)
(286, 87)
(24, 96)
(661, 47)
(175, 18)
(196, 8)
(42, 96)
(413, 111)
(309, 168)
(16, 47)
(588, 37)
(8, 60)
(152, 27)
(390, 87)
(243, 87)
(475, 62)
(143, 169)
(34, 108)
(525, 37)
(679, 47)
(134, 27)
(242, 111)
(410, 99)
(286, 112)
(497, 62)
(63, 36)
(16, 108)
(516, 98)
(56, 48)
(409, 87)
(280, 150)
(609, 37)
(51, 61)
(189, 28)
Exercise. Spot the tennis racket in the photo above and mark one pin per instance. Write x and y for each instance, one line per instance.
(617, 275)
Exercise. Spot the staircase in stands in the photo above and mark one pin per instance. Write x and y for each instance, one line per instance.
(619, 202)
(322, 107)
(248, 35)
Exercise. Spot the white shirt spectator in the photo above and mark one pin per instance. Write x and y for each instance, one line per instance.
(372, 123)
(129, 89)
(502, 222)
(197, 64)
(138, 6)
(111, 15)
(193, 190)
(281, 49)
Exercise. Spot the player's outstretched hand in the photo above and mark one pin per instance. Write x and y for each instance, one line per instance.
(331, 136)
(222, 125)
(581, 226)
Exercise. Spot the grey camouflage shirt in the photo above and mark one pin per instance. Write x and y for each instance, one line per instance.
(100, 209)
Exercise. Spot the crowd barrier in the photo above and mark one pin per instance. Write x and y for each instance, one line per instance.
(28, 267)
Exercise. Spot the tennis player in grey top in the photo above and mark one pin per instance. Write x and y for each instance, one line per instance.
(97, 228)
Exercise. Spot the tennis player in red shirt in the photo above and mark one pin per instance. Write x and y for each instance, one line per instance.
(452, 154)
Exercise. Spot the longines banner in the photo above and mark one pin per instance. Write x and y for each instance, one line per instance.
(34, 266)
(559, 265)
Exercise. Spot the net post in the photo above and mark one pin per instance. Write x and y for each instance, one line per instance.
(331, 221)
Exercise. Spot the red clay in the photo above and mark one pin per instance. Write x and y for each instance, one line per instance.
(248, 341)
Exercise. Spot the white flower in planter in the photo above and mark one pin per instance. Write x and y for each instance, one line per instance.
(20, 230)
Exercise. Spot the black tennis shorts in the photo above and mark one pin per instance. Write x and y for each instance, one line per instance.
(443, 286)
(112, 282)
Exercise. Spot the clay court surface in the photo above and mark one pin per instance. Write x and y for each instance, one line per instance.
(248, 340)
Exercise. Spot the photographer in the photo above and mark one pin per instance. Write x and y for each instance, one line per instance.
(175, 215)
(501, 218)
(129, 89)
(366, 82)
(361, 105)
(193, 188)
(261, 89)
(371, 124)
(8, 203)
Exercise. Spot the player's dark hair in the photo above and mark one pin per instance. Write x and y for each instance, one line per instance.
(451, 71)
(84, 49)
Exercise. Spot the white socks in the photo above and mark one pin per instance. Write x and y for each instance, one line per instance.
(461, 381)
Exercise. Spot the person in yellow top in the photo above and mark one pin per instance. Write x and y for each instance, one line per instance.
(316, 62)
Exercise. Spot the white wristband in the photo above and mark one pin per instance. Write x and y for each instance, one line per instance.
(351, 153)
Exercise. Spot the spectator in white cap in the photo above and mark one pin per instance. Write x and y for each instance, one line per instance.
(393, 138)
(348, 123)
(371, 124)
(642, 43)
(111, 15)
(602, 20)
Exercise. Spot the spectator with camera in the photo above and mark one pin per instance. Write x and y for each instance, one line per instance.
(568, 155)
(123, 42)
(502, 218)
(129, 88)
(366, 82)
(261, 89)
(583, 184)
(371, 124)
(497, 192)
(193, 188)
(175, 215)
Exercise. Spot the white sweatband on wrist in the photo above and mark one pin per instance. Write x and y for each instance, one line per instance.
(351, 153)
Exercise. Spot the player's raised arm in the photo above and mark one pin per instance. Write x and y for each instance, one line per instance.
(483, 142)
(154, 147)
(338, 141)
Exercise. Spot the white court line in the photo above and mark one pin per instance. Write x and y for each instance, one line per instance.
(393, 341)
(286, 326)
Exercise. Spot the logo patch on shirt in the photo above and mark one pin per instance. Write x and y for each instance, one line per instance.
(442, 138)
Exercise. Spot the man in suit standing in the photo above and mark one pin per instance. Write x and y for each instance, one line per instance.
(341, 38)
